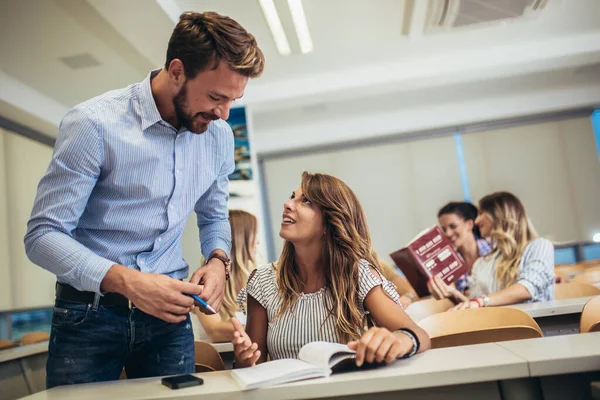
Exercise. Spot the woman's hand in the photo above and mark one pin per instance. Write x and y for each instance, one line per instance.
(465, 304)
(439, 290)
(379, 344)
(246, 352)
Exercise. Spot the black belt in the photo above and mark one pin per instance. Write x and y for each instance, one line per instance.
(69, 293)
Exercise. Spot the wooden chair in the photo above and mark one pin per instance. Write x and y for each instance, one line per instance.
(480, 325)
(8, 344)
(595, 268)
(590, 277)
(207, 358)
(590, 264)
(424, 308)
(590, 316)
(573, 290)
(34, 337)
(568, 270)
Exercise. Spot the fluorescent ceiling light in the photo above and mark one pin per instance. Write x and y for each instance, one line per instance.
(301, 25)
(268, 8)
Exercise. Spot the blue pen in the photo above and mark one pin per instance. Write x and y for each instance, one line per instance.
(202, 302)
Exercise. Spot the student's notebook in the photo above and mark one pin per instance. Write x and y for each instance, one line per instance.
(315, 360)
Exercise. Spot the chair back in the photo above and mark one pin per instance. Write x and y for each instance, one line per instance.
(480, 325)
(207, 358)
(568, 270)
(590, 316)
(589, 264)
(590, 277)
(34, 337)
(7, 344)
(424, 308)
(573, 290)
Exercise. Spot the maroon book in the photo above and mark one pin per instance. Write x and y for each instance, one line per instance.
(429, 254)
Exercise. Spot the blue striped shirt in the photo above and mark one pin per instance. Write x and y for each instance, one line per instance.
(121, 186)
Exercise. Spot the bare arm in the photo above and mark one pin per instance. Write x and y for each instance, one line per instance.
(250, 346)
(387, 314)
(513, 294)
(216, 329)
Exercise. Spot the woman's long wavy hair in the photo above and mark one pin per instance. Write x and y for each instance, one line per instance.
(511, 232)
(243, 260)
(346, 241)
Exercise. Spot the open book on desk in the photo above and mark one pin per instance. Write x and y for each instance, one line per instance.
(315, 360)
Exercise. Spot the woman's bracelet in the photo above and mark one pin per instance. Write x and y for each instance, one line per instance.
(415, 340)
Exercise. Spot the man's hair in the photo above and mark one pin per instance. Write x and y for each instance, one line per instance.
(202, 40)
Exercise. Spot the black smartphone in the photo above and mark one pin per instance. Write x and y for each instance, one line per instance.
(181, 381)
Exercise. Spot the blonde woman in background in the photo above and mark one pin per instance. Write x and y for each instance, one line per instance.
(324, 286)
(520, 267)
(244, 242)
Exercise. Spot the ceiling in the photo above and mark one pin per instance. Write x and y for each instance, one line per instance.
(360, 55)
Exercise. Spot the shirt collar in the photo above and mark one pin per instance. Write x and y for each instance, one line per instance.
(149, 112)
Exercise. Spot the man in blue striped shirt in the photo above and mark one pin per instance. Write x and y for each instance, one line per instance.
(128, 169)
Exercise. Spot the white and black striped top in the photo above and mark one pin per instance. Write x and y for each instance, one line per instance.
(308, 321)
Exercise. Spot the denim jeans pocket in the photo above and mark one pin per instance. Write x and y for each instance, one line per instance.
(69, 313)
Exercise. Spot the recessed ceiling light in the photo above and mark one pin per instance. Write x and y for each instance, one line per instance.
(301, 25)
(270, 12)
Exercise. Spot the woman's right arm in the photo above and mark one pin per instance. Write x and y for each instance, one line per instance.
(216, 329)
(250, 346)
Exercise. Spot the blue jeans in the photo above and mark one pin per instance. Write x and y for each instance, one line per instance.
(88, 345)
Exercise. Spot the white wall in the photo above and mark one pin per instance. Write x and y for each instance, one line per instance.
(552, 167)
(378, 117)
(5, 264)
(25, 162)
(400, 185)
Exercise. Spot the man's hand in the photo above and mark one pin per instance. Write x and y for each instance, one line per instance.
(154, 294)
(212, 277)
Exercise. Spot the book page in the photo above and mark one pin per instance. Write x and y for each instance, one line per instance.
(276, 372)
(324, 354)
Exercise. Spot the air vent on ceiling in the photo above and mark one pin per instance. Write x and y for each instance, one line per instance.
(446, 14)
(80, 61)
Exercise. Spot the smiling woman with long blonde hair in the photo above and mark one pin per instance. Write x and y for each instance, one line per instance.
(520, 267)
(218, 328)
(325, 285)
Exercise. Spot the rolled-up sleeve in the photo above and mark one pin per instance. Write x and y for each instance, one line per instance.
(211, 208)
(536, 273)
(62, 196)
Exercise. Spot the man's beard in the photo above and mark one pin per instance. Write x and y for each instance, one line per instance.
(187, 120)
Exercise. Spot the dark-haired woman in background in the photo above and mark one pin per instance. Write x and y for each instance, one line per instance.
(457, 220)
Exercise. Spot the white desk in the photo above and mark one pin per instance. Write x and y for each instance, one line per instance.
(23, 370)
(559, 354)
(457, 372)
(226, 347)
(565, 365)
(556, 317)
(554, 307)
(23, 351)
